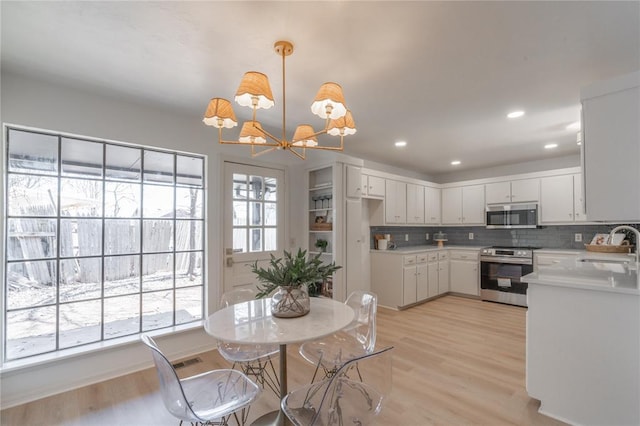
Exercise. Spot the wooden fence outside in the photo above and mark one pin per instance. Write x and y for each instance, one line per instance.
(36, 239)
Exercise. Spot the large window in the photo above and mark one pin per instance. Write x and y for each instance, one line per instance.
(102, 241)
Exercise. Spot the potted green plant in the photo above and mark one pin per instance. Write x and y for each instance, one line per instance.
(321, 244)
(287, 280)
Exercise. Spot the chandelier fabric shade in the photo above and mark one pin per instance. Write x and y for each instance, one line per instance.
(255, 92)
(220, 114)
(252, 133)
(329, 102)
(342, 126)
(305, 136)
(254, 87)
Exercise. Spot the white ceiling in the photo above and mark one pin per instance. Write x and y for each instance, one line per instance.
(440, 75)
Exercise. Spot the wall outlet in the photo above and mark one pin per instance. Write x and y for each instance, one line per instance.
(577, 238)
(406, 237)
(426, 236)
(471, 235)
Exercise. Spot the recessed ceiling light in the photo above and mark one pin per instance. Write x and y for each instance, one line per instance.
(551, 146)
(515, 114)
(573, 126)
(401, 144)
(455, 162)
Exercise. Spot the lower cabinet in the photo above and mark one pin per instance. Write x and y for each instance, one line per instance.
(403, 280)
(443, 272)
(464, 272)
(415, 286)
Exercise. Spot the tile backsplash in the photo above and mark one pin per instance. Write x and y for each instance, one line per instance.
(558, 237)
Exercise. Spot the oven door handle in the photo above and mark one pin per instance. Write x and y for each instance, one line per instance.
(509, 260)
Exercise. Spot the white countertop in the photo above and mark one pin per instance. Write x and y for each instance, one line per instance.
(609, 275)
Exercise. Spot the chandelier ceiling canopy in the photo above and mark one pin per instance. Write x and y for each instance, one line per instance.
(255, 92)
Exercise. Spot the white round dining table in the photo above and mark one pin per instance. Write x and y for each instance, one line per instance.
(251, 322)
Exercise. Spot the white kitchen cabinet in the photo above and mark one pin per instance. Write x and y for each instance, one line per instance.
(415, 204)
(373, 186)
(409, 281)
(353, 187)
(415, 285)
(578, 199)
(542, 259)
(516, 191)
(432, 274)
(403, 280)
(498, 192)
(582, 352)
(432, 205)
(560, 199)
(452, 205)
(443, 272)
(463, 205)
(611, 149)
(395, 202)
(354, 241)
(464, 275)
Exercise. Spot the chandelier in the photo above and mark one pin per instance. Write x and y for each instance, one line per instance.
(254, 92)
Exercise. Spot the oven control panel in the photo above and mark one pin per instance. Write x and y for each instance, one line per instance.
(507, 252)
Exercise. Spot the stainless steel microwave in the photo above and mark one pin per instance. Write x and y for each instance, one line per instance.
(512, 216)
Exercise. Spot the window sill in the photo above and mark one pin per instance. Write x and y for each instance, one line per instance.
(63, 354)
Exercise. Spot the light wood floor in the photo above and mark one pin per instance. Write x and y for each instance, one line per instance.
(457, 361)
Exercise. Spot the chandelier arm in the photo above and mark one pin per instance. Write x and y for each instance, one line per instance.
(275, 145)
(302, 156)
(264, 151)
(278, 142)
(330, 148)
(321, 132)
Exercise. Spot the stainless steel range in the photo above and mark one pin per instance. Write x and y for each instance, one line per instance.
(501, 269)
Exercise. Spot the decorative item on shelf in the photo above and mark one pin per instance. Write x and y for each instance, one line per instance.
(255, 92)
(288, 280)
(321, 224)
(321, 244)
(440, 238)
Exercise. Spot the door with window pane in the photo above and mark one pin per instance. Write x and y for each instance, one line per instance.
(252, 220)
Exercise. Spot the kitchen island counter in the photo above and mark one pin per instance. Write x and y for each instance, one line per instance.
(590, 271)
(583, 341)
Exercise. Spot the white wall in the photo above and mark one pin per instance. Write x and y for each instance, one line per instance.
(510, 169)
(37, 104)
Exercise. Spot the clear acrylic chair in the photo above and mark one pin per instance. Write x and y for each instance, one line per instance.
(256, 361)
(357, 339)
(208, 398)
(354, 395)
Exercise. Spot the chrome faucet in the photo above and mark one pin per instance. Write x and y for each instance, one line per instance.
(630, 228)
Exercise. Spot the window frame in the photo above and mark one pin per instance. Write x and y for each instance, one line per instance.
(200, 221)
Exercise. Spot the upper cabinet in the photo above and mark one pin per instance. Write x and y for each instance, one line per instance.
(517, 191)
(415, 204)
(353, 187)
(561, 199)
(463, 205)
(432, 205)
(395, 203)
(611, 149)
(372, 186)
